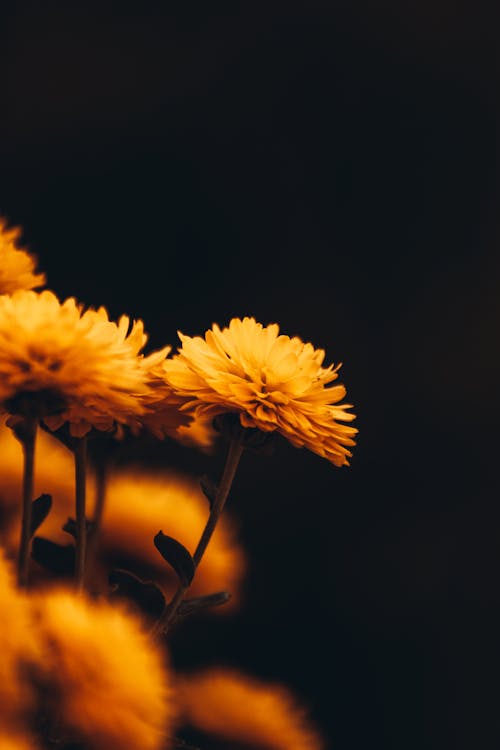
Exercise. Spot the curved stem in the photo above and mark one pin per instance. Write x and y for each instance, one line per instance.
(80, 452)
(28, 442)
(233, 458)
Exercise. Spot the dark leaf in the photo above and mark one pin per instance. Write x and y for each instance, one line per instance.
(209, 489)
(39, 511)
(70, 527)
(58, 558)
(146, 594)
(177, 556)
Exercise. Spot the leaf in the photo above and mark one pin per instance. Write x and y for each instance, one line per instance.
(58, 558)
(70, 527)
(40, 509)
(177, 556)
(209, 489)
(146, 594)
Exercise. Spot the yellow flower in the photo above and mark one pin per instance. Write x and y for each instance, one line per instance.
(234, 707)
(66, 365)
(274, 383)
(17, 266)
(19, 650)
(139, 503)
(109, 680)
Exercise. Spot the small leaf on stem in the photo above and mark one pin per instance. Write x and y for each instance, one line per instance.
(40, 509)
(177, 556)
(209, 489)
(146, 594)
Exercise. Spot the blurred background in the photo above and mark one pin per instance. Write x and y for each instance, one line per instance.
(330, 167)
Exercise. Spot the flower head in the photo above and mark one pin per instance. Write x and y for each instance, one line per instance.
(274, 383)
(17, 266)
(232, 706)
(110, 680)
(66, 365)
(20, 649)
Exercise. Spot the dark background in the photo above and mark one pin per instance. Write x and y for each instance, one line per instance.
(330, 167)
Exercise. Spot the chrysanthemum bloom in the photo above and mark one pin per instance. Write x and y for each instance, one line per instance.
(274, 382)
(17, 266)
(164, 416)
(19, 650)
(236, 708)
(109, 681)
(65, 365)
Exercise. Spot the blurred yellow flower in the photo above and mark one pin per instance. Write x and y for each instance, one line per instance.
(236, 708)
(17, 266)
(139, 502)
(19, 649)
(66, 365)
(274, 383)
(110, 681)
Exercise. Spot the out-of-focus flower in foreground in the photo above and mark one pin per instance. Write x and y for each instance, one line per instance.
(236, 708)
(139, 502)
(84, 668)
(17, 266)
(274, 383)
(19, 649)
(110, 681)
(62, 364)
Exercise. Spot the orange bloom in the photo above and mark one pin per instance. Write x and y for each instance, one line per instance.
(19, 648)
(72, 366)
(17, 266)
(139, 503)
(274, 382)
(237, 708)
(109, 679)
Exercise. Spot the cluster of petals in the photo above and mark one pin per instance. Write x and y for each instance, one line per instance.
(274, 382)
(90, 365)
(110, 678)
(234, 707)
(17, 266)
(105, 682)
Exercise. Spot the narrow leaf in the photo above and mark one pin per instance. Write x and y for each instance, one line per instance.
(57, 558)
(177, 556)
(40, 509)
(209, 489)
(146, 594)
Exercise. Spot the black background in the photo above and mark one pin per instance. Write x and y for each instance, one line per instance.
(330, 167)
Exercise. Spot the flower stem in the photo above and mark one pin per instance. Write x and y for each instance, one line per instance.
(101, 482)
(80, 452)
(234, 454)
(28, 442)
